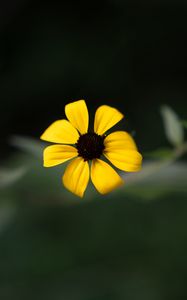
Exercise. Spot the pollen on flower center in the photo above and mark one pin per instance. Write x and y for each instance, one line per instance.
(90, 145)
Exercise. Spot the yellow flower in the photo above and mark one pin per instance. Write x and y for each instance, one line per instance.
(118, 147)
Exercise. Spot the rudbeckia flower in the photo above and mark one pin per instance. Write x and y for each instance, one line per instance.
(74, 141)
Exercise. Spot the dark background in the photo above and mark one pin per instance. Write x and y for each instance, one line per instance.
(123, 53)
(127, 54)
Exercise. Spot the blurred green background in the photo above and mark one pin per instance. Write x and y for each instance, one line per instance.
(132, 243)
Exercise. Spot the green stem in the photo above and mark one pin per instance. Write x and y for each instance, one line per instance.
(157, 166)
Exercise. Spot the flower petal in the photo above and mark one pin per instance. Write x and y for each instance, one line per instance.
(60, 131)
(119, 140)
(77, 114)
(104, 177)
(105, 118)
(126, 160)
(57, 154)
(76, 176)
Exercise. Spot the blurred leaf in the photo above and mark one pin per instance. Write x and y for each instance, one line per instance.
(173, 127)
(28, 145)
(161, 153)
(9, 177)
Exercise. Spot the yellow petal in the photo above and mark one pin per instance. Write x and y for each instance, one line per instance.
(119, 140)
(57, 154)
(104, 177)
(76, 176)
(105, 118)
(77, 114)
(126, 160)
(60, 131)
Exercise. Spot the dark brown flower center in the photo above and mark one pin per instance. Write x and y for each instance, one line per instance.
(90, 145)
